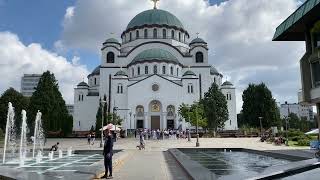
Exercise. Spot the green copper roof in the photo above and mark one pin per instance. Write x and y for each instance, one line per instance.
(121, 73)
(214, 71)
(297, 19)
(83, 84)
(155, 17)
(227, 83)
(155, 55)
(111, 40)
(198, 40)
(189, 73)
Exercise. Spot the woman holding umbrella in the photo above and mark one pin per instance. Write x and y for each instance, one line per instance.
(108, 152)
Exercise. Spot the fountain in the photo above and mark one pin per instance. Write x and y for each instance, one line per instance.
(38, 137)
(39, 157)
(69, 152)
(10, 136)
(60, 153)
(23, 139)
(51, 154)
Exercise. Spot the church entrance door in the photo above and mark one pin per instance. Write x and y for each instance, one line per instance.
(170, 124)
(155, 122)
(139, 124)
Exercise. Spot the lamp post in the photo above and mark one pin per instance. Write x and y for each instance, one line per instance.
(260, 118)
(115, 123)
(130, 113)
(197, 143)
(102, 119)
(287, 123)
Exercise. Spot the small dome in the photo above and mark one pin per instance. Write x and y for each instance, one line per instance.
(198, 40)
(214, 71)
(155, 17)
(189, 73)
(227, 83)
(111, 40)
(155, 55)
(121, 73)
(83, 84)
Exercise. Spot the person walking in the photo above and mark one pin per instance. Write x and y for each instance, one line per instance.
(107, 153)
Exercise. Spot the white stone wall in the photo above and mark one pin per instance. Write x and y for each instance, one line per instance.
(232, 123)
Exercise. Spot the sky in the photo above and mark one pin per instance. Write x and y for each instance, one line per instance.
(65, 37)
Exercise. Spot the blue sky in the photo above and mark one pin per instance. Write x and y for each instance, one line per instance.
(40, 21)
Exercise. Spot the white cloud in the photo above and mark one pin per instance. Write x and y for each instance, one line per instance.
(239, 34)
(69, 12)
(17, 59)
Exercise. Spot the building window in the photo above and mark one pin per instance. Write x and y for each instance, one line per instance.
(164, 34)
(130, 38)
(82, 97)
(79, 97)
(146, 33)
(177, 71)
(155, 33)
(155, 70)
(171, 70)
(316, 39)
(120, 89)
(214, 80)
(132, 72)
(172, 34)
(137, 34)
(179, 36)
(110, 57)
(184, 38)
(190, 88)
(199, 57)
(163, 69)
(146, 69)
(95, 81)
(138, 71)
(316, 73)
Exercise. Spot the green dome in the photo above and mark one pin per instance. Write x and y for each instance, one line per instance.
(83, 84)
(121, 73)
(227, 83)
(155, 55)
(155, 17)
(111, 40)
(214, 71)
(189, 73)
(198, 40)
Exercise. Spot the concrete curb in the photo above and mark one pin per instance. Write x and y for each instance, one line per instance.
(194, 170)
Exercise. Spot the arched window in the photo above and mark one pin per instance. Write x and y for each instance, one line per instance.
(177, 71)
(184, 38)
(146, 69)
(130, 38)
(190, 88)
(179, 36)
(164, 34)
(82, 97)
(199, 57)
(171, 70)
(132, 72)
(172, 34)
(79, 97)
(120, 89)
(146, 33)
(138, 71)
(137, 34)
(110, 57)
(163, 69)
(214, 79)
(95, 81)
(155, 33)
(155, 69)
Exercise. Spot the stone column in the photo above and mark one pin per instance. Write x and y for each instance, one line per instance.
(145, 122)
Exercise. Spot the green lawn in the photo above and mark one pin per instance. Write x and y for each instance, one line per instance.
(294, 144)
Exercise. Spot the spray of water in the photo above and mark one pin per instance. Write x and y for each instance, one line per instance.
(10, 134)
(23, 138)
(38, 137)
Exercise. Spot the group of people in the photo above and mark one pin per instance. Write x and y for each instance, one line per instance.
(162, 134)
(91, 138)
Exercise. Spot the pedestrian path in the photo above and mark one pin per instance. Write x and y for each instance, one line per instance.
(146, 164)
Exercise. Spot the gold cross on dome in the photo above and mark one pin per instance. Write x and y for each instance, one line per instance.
(155, 3)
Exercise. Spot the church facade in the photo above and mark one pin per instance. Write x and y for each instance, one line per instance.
(149, 74)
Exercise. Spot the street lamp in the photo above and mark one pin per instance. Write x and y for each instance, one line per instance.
(102, 119)
(197, 143)
(287, 122)
(130, 113)
(260, 118)
(115, 123)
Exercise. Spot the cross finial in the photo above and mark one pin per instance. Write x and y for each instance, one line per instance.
(197, 34)
(189, 67)
(155, 3)
(83, 79)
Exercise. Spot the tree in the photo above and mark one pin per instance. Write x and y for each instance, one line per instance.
(99, 114)
(215, 107)
(48, 99)
(18, 101)
(258, 102)
(193, 113)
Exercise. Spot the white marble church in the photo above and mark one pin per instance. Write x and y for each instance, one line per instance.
(149, 74)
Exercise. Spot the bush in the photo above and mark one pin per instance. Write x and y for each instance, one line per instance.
(303, 142)
(293, 133)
